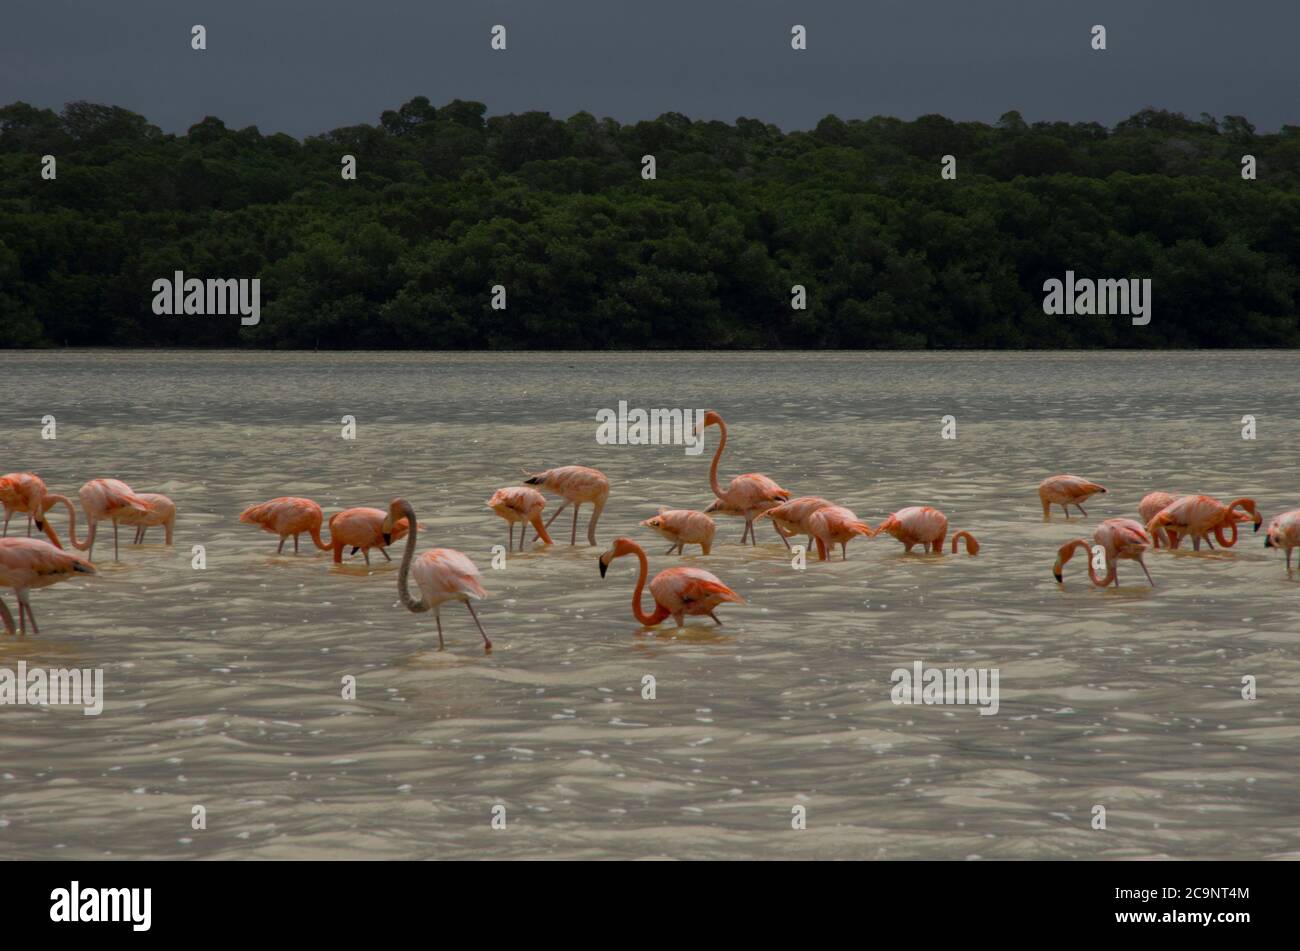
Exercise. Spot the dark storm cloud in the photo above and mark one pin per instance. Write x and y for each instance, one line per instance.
(305, 67)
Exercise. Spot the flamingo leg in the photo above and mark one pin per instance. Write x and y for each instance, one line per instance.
(8, 516)
(280, 549)
(510, 535)
(295, 544)
(844, 551)
(1288, 559)
(383, 551)
(24, 603)
(1147, 573)
(573, 536)
(1208, 542)
(563, 506)
(366, 553)
(715, 618)
(781, 535)
(438, 618)
(115, 539)
(671, 548)
(1080, 508)
(487, 644)
(8, 618)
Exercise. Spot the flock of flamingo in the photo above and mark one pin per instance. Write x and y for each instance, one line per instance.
(444, 575)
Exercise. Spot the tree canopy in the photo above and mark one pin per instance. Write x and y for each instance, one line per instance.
(449, 201)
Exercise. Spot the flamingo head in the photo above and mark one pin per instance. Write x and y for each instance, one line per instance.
(1273, 537)
(397, 509)
(710, 419)
(622, 546)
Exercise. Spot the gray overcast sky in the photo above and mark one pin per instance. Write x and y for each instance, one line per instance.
(307, 66)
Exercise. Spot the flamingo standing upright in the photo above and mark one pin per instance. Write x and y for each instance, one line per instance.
(162, 511)
(27, 563)
(1284, 533)
(677, 592)
(1199, 515)
(576, 485)
(104, 499)
(683, 527)
(791, 518)
(1150, 507)
(835, 523)
(363, 528)
(442, 574)
(519, 503)
(1066, 490)
(924, 526)
(750, 495)
(26, 492)
(1119, 538)
(285, 516)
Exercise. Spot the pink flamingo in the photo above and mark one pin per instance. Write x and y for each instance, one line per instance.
(676, 591)
(1150, 507)
(1119, 538)
(576, 485)
(835, 523)
(285, 516)
(27, 563)
(519, 503)
(104, 499)
(683, 527)
(26, 492)
(1284, 533)
(442, 574)
(924, 526)
(1066, 490)
(791, 518)
(162, 511)
(1198, 515)
(750, 494)
(363, 528)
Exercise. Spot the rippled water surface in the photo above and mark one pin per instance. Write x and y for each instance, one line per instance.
(224, 685)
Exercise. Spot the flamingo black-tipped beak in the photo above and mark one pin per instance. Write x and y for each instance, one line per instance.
(603, 567)
(1258, 524)
(1268, 542)
(41, 525)
(388, 538)
(1059, 578)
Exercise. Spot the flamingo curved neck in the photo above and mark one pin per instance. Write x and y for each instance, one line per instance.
(717, 456)
(643, 572)
(404, 572)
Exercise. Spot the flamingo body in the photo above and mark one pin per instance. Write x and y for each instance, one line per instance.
(835, 524)
(683, 527)
(1066, 490)
(287, 516)
(924, 526)
(162, 511)
(577, 486)
(27, 563)
(520, 503)
(362, 528)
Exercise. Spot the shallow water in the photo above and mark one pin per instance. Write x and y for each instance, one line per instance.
(224, 685)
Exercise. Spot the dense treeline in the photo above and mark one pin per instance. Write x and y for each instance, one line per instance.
(449, 202)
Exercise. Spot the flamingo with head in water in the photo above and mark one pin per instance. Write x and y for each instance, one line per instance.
(1118, 538)
(1066, 490)
(26, 492)
(924, 526)
(1199, 515)
(577, 485)
(27, 563)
